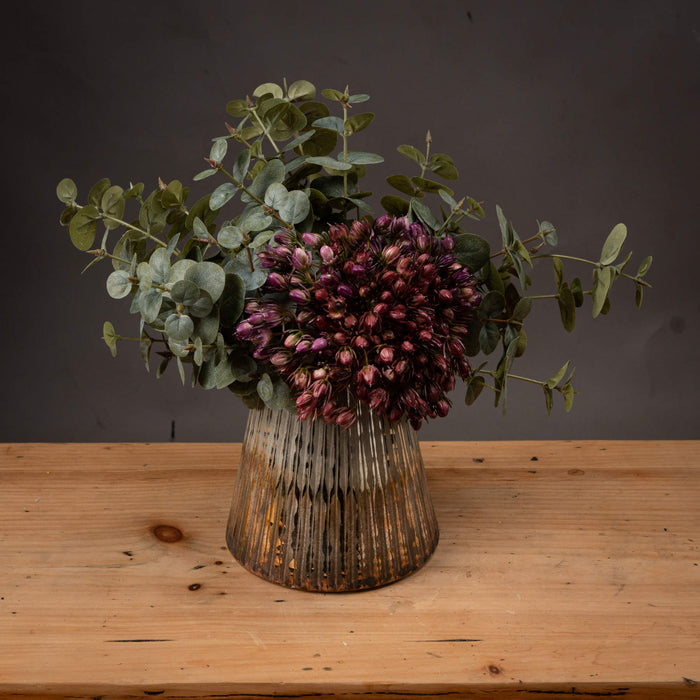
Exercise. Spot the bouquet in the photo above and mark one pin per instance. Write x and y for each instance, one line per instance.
(282, 286)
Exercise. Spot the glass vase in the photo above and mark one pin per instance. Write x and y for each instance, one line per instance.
(323, 508)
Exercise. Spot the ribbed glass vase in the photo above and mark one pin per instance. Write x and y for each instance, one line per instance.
(322, 508)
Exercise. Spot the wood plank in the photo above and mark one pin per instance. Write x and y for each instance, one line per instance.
(562, 565)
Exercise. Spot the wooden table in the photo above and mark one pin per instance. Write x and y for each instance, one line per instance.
(564, 569)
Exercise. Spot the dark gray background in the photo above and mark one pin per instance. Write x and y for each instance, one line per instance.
(582, 113)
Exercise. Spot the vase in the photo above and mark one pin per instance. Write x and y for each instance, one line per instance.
(322, 508)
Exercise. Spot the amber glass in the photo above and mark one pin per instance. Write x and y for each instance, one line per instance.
(322, 508)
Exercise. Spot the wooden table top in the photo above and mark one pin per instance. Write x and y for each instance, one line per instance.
(564, 569)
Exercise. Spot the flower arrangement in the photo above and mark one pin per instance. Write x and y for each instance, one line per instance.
(299, 299)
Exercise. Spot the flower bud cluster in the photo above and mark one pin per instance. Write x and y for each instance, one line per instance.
(376, 313)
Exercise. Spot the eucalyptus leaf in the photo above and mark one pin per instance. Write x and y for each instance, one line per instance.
(207, 276)
(118, 284)
(394, 206)
(329, 163)
(295, 207)
(412, 153)
(471, 250)
(268, 89)
(232, 301)
(301, 90)
(83, 227)
(66, 190)
(184, 292)
(160, 265)
(363, 158)
(204, 174)
(275, 195)
(222, 194)
(489, 337)
(423, 212)
(331, 123)
(271, 172)
(149, 305)
(230, 236)
(110, 337)
(113, 205)
(474, 389)
(265, 388)
(218, 150)
(567, 307)
(613, 244)
(602, 279)
(558, 376)
(644, 267)
(430, 185)
(179, 327)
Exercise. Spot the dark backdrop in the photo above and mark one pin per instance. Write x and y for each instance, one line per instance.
(582, 113)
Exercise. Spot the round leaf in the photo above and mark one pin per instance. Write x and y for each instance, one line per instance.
(66, 190)
(207, 276)
(179, 328)
(83, 227)
(118, 284)
(301, 90)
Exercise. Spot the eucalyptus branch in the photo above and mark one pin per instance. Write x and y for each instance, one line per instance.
(492, 373)
(345, 144)
(103, 215)
(264, 128)
(634, 278)
(236, 182)
(424, 165)
(503, 251)
(102, 253)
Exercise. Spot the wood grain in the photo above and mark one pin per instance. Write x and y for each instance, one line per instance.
(564, 569)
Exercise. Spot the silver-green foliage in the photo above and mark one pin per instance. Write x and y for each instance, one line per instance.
(189, 275)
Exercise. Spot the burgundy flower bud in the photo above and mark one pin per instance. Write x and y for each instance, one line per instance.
(360, 342)
(448, 243)
(327, 254)
(404, 265)
(364, 291)
(443, 407)
(328, 410)
(311, 239)
(398, 313)
(389, 374)
(370, 320)
(280, 359)
(345, 418)
(321, 295)
(340, 338)
(407, 346)
(319, 373)
(369, 374)
(301, 296)
(378, 399)
(301, 260)
(455, 347)
(319, 344)
(386, 296)
(380, 309)
(425, 335)
(386, 355)
(277, 280)
(345, 356)
(304, 317)
(244, 330)
(399, 287)
(401, 366)
(291, 340)
(303, 346)
(319, 388)
(345, 290)
(388, 335)
(391, 253)
(350, 321)
(283, 237)
(445, 296)
(272, 315)
(395, 413)
(306, 398)
(282, 252)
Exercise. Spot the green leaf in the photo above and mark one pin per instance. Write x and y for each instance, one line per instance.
(329, 163)
(218, 150)
(265, 388)
(430, 185)
(301, 90)
(548, 398)
(489, 337)
(237, 108)
(230, 236)
(362, 158)
(402, 184)
(295, 207)
(644, 267)
(568, 392)
(423, 212)
(558, 272)
(602, 279)
(202, 306)
(275, 195)
(286, 120)
(613, 244)
(577, 291)
(149, 305)
(358, 122)
(522, 343)
(412, 153)
(522, 309)
(475, 386)
(207, 276)
(556, 378)
(493, 279)
(118, 284)
(240, 167)
(394, 206)
(441, 164)
(179, 327)
(330, 123)
(471, 250)
(83, 227)
(548, 233)
(567, 307)
(322, 143)
(476, 209)
(110, 337)
(638, 294)
(66, 190)
(503, 225)
(335, 95)
(232, 301)
(180, 369)
(254, 219)
(145, 345)
(356, 99)
(184, 292)
(222, 194)
(97, 190)
(272, 171)
(268, 89)
(204, 174)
